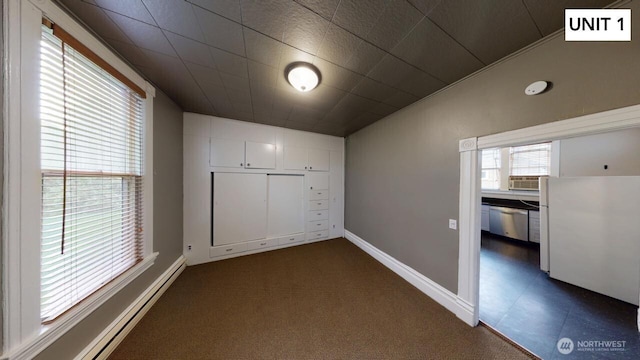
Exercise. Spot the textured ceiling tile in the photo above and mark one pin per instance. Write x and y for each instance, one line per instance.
(268, 119)
(325, 8)
(338, 45)
(420, 84)
(229, 63)
(190, 50)
(372, 89)
(430, 49)
(383, 109)
(262, 48)
(303, 126)
(175, 16)
(359, 16)
(364, 58)
(305, 29)
(325, 97)
(401, 99)
(426, 6)
(131, 8)
(220, 102)
(549, 14)
(93, 16)
(391, 70)
(227, 8)
(336, 76)
(143, 35)
(263, 74)
(267, 17)
(329, 129)
(235, 82)
(398, 18)
(306, 114)
(204, 73)
(477, 25)
(220, 32)
(132, 53)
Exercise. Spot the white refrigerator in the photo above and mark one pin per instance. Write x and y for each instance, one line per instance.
(590, 233)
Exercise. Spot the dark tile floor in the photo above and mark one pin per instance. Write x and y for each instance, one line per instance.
(523, 303)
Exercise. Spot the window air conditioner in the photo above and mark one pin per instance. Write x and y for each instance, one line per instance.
(523, 182)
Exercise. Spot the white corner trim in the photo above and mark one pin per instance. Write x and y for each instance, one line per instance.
(63, 324)
(109, 339)
(441, 295)
(468, 144)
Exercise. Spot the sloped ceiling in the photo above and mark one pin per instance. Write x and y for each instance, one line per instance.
(227, 57)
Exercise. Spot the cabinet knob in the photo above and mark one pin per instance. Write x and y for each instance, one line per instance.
(311, 187)
(305, 168)
(240, 164)
(310, 167)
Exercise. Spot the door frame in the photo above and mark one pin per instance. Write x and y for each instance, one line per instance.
(470, 193)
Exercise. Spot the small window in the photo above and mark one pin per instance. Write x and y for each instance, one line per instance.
(530, 160)
(490, 169)
(91, 167)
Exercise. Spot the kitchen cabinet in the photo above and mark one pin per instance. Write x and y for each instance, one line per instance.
(242, 154)
(296, 158)
(484, 219)
(534, 226)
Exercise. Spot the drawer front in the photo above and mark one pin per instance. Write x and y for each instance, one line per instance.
(260, 244)
(291, 239)
(226, 250)
(313, 226)
(318, 205)
(318, 235)
(318, 215)
(318, 194)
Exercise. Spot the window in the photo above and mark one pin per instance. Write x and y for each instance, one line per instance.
(491, 169)
(530, 160)
(500, 163)
(91, 148)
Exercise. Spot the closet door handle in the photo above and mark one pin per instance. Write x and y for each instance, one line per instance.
(240, 164)
(248, 164)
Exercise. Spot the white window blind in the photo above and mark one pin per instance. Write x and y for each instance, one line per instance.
(91, 162)
(530, 160)
(490, 176)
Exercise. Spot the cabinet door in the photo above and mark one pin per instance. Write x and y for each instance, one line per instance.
(295, 158)
(226, 153)
(260, 155)
(318, 160)
(317, 181)
(239, 208)
(484, 220)
(286, 205)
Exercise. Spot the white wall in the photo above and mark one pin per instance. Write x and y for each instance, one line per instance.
(587, 155)
(198, 132)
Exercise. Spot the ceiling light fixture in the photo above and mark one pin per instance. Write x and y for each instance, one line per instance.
(302, 76)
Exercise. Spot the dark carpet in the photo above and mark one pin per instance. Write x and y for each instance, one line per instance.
(326, 300)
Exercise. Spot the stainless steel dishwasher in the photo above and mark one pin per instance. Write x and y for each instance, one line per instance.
(509, 222)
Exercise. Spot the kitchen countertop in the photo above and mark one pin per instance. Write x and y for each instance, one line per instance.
(515, 204)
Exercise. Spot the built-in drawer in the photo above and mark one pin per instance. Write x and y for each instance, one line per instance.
(318, 215)
(318, 235)
(227, 249)
(313, 226)
(260, 244)
(318, 194)
(291, 239)
(534, 226)
(318, 205)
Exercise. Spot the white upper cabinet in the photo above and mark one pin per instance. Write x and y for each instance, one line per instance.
(226, 153)
(260, 155)
(318, 160)
(296, 158)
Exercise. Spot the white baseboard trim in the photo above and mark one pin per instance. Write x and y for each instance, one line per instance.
(442, 296)
(105, 343)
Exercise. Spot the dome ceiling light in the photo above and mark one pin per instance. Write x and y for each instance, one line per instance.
(302, 76)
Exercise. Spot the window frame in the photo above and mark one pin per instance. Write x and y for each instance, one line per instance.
(24, 336)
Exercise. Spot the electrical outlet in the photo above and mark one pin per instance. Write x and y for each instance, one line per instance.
(189, 247)
(453, 224)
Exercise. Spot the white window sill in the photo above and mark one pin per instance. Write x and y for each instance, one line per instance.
(513, 195)
(50, 333)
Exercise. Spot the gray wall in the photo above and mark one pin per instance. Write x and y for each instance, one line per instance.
(402, 172)
(587, 155)
(167, 228)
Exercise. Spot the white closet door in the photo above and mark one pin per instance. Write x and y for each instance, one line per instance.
(286, 205)
(239, 208)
